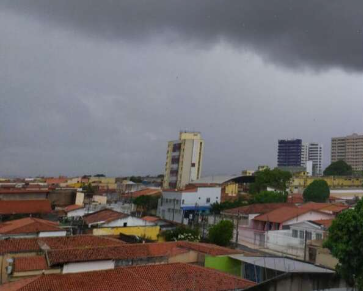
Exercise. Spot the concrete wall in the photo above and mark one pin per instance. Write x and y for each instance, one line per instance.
(23, 196)
(53, 234)
(148, 232)
(129, 221)
(190, 257)
(62, 198)
(77, 267)
(77, 213)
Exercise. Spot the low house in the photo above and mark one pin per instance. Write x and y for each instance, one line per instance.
(10, 249)
(11, 209)
(75, 211)
(30, 228)
(163, 277)
(110, 222)
(262, 232)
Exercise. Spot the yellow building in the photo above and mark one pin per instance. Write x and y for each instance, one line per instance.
(183, 160)
(301, 182)
(148, 232)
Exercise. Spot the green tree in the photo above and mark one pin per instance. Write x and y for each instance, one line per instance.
(221, 233)
(317, 191)
(147, 203)
(136, 179)
(275, 178)
(181, 233)
(269, 197)
(345, 239)
(88, 189)
(216, 207)
(338, 168)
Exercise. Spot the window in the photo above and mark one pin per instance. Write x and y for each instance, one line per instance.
(309, 235)
(301, 234)
(183, 201)
(208, 200)
(294, 233)
(318, 236)
(125, 224)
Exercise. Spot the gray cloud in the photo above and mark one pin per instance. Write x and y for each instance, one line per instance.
(315, 34)
(101, 88)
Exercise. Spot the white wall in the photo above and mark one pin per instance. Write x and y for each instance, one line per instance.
(311, 215)
(77, 213)
(77, 267)
(53, 234)
(131, 222)
(200, 196)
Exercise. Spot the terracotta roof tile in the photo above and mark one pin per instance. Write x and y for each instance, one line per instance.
(72, 207)
(163, 277)
(8, 207)
(34, 244)
(104, 216)
(150, 218)
(30, 263)
(28, 225)
(283, 214)
(146, 192)
(328, 207)
(295, 198)
(256, 208)
(325, 222)
(134, 251)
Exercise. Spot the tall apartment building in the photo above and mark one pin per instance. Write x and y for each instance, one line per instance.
(349, 149)
(315, 154)
(183, 160)
(295, 153)
(289, 152)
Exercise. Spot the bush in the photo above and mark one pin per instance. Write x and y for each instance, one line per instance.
(221, 233)
(181, 233)
(317, 191)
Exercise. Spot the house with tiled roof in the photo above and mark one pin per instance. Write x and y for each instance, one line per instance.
(30, 227)
(163, 277)
(10, 249)
(111, 222)
(75, 211)
(23, 208)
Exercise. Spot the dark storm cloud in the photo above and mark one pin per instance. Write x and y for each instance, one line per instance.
(314, 33)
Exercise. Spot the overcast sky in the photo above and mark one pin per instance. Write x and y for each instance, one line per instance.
(89, 86)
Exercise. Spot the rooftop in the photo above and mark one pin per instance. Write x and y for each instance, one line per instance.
(103, 216)
(28, 225)
(216, 179)
(20, 245)
(8, 207)
(30, 263)
(283, 214)
(326, 207)
(256, 208)
(163, 277)
(72, 207)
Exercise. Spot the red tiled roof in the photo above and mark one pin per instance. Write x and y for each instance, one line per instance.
(326, 207)
(134, 251)
(256, 208)
(104, 216)
(146, 192)
(325, 222)
(30, 263)
(163, 277)
(150, 218)
(23, 191)
(34, 244)
(8, 207)
(283, 214)
(72, 207)
(28, 225)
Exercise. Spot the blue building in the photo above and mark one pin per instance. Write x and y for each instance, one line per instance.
(290, 152)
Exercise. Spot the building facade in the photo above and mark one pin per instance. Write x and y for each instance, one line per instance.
(295, 153)
(183, 160)
(349, 149)
(289, 152)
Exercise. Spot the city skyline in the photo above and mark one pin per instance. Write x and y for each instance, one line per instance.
(88, 88)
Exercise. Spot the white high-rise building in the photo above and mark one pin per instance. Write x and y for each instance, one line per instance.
(313, 152)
